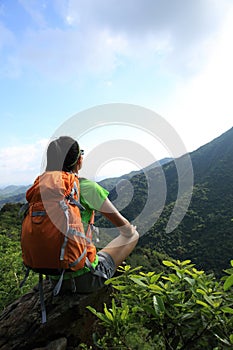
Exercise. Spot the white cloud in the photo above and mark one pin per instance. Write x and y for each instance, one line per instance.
(146, 17)
(70, 20)
(174, 29)
(100, 35)
(21, 164)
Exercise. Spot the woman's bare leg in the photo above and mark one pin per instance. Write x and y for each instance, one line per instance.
(120, 247)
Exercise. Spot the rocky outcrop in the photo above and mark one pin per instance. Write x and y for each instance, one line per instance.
(69, 322)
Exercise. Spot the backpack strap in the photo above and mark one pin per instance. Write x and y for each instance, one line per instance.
(57, 288)
(90, 227)
(73, 285)
(25, 277)
(42, 303)
(41, 293)
(71, 198)
(92, 232)
(64, 207)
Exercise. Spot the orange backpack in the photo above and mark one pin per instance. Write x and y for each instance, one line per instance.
(52, 236)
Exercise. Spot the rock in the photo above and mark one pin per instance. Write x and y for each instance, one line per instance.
(59, 344)
(69, 322)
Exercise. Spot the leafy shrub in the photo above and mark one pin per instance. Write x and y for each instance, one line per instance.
(12, 272)
(183, 309)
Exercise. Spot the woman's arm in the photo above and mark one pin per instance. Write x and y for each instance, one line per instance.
(113, 215)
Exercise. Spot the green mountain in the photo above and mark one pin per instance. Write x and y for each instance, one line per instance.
(205, 235)
(110, 183)
(16, 194)
(12, 194)
(12, 190)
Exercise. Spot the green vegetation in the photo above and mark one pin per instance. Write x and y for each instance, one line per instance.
(174, 306)
(181, 309)
(12, 272)
(205, 234)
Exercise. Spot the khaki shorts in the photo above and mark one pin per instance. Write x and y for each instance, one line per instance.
(93, 280)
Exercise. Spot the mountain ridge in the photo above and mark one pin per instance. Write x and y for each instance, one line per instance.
(16, 193)
(13, 194)
(205, 235)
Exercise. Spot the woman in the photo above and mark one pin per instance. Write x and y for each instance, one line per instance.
(64, 154)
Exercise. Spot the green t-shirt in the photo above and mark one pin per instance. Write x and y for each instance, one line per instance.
(92, 196)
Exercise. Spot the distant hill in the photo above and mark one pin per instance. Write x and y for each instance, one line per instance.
(205, 235)
(12, 190)
(19, 198)
(12, 194)
(110, 183)
(15, 194)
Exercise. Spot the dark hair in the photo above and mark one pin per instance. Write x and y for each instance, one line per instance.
(62, 154)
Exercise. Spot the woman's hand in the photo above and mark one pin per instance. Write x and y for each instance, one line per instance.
(128, 230)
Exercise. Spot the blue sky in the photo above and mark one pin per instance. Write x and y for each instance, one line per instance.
(61, 57)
